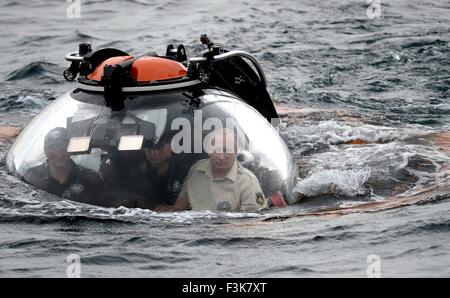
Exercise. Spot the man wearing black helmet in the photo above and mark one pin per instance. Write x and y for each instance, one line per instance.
(59, 175)
(158, 180)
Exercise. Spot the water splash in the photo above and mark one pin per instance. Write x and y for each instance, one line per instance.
(348, 183)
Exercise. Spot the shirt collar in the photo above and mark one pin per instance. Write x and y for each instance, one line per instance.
(232, 174)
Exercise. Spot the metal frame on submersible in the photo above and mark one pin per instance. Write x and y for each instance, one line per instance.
(201, 71)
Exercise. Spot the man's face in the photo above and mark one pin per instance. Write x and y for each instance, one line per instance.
(57, 156)
(224, 153)
(158, 155)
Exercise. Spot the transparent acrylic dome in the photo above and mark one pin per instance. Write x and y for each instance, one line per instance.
(110, 150)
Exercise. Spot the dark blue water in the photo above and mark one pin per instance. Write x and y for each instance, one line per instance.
(383, 81)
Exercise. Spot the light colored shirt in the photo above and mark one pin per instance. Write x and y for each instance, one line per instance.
(239, 190)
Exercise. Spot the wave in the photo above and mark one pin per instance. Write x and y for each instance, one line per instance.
(422, 43)
(24, 101)
(347, 183)
(39, 210)
(236, 241)
(144, 2)
(314, 137)
(51, 73)
(37, 219)
(36, 40)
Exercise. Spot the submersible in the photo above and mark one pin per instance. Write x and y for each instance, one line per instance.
(122, 104)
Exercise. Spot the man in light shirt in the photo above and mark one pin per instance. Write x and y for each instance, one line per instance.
(220, 183)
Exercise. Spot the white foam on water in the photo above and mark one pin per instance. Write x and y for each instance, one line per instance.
(28, 99)
(70, 209)
(333, 132)
(391, 155)
(134, 214)
(349, 183)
